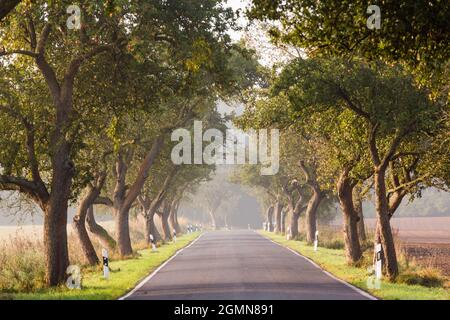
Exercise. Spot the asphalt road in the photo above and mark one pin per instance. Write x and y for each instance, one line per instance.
(228, 265)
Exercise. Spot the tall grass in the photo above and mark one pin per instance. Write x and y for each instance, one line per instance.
(22, 264)
(22, 260)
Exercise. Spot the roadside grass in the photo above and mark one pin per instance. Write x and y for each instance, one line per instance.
(124, 276)
(333, 261)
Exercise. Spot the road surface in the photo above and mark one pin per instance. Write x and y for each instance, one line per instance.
(228, 265)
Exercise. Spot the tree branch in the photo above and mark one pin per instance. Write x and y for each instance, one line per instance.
(19, 51)
(46, 69)
(25, 186)
(75, 64)
(408, 184)
(30, 142)
(104, 201)
(142, 175)
(394, 145)
(373, 144)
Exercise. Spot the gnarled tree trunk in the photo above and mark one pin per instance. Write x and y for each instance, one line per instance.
(79, 220)
(213, 219)
(151, 228)
(269, 215)
(313, 203)
(173, 216)
(79, 225)
(385, 233)
(55, 218)
(124, 197)
(293, 225)
(99, 232)
(357, 203)
(345, 187)
(55, 242)
(311, 214)
(277, 212)
(164, 214)
(123, 232)
(283, 221)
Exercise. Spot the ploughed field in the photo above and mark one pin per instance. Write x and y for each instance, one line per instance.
(423, 239)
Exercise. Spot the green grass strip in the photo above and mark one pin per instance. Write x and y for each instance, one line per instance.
(124, 276)
(333, 261)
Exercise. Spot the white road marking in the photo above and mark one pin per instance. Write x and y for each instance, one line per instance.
(361, 292)
(140, 284)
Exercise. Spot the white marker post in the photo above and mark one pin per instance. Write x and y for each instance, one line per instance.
(152, 241)
(174, 236)
(105, 264)
(316, 240)
(378, 261)
(288, 233)
(249, 227)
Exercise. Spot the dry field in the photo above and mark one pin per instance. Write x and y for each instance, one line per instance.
(35, 231)
(423, 239)
(420, 230)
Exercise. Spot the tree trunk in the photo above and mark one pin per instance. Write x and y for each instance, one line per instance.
(167, 233)
(269, 215)
(357, 203)
(79, 225)
(345, 187)
(55, 241)
(55, 220)
(294, 225)
(151, 228)
(173, 216)
(125, 196)
(383, 217)
(92, 191)
(99, 232)
(176, 222)
(213, 219)
(277, 211)
(123, 232)
(283, 221)
(311, 214)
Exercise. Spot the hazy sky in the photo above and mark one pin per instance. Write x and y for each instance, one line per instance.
(236, 5)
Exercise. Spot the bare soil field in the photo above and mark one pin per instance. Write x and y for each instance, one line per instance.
(420, 229)
(435, 255)
(425, 240)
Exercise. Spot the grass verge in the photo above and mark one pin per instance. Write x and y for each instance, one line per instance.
(333, 261)
(124, 276)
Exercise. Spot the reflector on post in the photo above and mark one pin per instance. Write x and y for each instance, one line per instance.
(105, 263)
(378, 261)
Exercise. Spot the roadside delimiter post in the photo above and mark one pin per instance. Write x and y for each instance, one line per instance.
(316, 240)
(378, 261)
(105, 263)
(152, 241)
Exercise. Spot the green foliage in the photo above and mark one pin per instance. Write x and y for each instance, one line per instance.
(412, 32)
